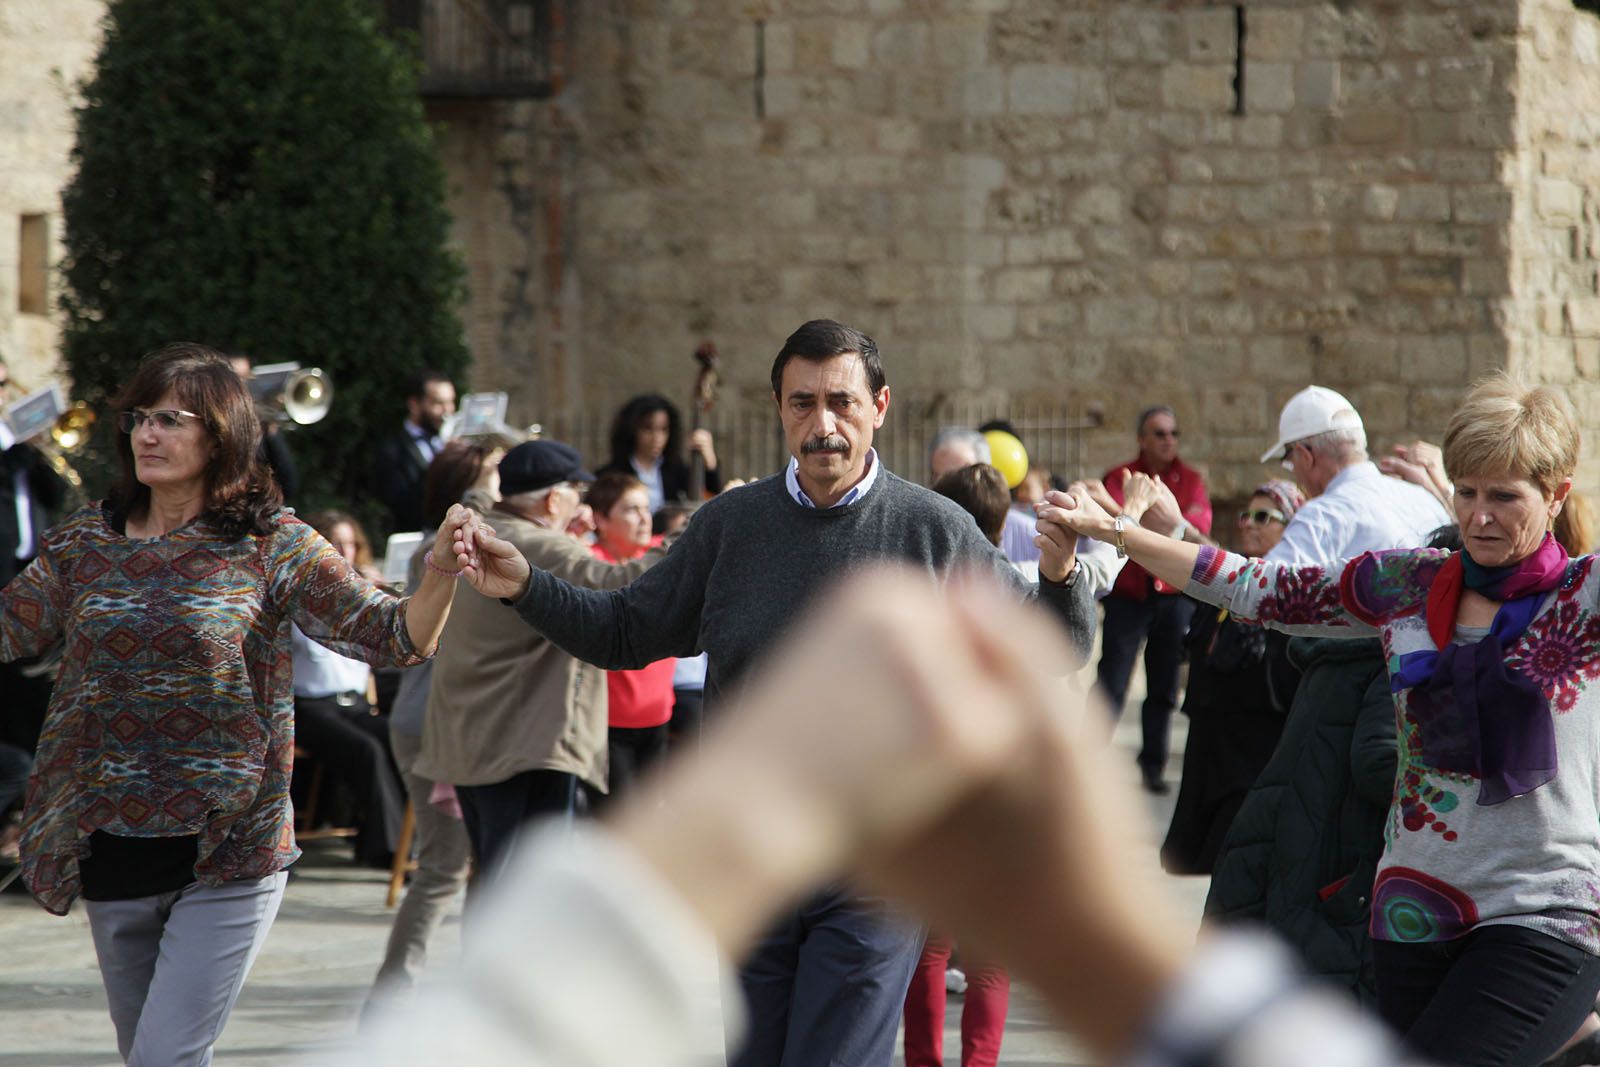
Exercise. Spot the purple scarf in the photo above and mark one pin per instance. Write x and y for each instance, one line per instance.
(1475, 715)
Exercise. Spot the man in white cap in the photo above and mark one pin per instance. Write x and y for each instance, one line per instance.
(1352, 507)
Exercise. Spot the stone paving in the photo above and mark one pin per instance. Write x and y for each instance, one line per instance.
(309, 981)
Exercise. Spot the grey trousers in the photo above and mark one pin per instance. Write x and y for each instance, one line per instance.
(173, 964)
(444, 858)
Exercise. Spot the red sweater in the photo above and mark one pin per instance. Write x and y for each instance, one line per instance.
(642, 697)
(1189, 486)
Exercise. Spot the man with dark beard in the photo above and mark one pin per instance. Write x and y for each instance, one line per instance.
(827, 982)
(400, 461)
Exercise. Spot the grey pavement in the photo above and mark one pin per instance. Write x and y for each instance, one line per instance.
(313, 973)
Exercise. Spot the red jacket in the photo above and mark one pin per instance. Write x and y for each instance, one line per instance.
(1189, 486)
(640, 697)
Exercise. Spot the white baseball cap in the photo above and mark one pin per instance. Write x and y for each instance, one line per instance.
(1311, 411)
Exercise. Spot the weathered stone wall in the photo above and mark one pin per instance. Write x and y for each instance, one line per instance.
(46, 47)
(1555, 263)
(1038, 208)
(1087, 202)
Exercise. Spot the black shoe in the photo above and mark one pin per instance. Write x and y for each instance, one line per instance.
(1153, 782)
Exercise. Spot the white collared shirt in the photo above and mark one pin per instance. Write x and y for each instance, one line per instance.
(1362, 510)
(650, 477)
(791, 478)
(428, 445)
(23, 501)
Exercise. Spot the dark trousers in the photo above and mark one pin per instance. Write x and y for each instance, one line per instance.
(15, 766)
(1161, 621)
(494, 813)
(631, 751)
(688, 715)
(1502, 995)
(25, 701)
(826, 985)
(353, 744)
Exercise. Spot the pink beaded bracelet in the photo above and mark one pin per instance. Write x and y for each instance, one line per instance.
(427, 561)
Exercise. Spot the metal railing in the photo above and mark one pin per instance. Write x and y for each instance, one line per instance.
(478, 48)
(750, 440)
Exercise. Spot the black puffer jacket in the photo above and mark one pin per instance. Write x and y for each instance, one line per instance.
(1303, 851)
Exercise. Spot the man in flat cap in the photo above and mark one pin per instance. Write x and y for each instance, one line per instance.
(514, 723)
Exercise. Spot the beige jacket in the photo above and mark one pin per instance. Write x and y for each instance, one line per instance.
(503, 699)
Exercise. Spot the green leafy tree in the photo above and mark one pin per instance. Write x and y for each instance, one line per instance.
(260, 177)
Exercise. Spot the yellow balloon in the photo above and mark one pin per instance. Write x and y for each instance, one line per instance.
(1007, 456)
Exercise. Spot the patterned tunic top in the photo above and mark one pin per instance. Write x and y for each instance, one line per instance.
(173, 711)
(1451, 864)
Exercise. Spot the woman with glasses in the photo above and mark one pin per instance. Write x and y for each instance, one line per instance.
(1240, 687)
(161, 790)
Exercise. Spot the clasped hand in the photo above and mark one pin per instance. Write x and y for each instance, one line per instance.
(492, 566)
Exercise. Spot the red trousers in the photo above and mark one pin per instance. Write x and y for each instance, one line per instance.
(983, 1016)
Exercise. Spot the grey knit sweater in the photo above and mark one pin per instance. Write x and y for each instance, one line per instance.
(753, 559)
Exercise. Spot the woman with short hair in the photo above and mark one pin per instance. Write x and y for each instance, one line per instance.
(161, 792)
(638, 702)
(1486, 908)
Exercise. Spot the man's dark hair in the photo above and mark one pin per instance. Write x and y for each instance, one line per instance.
(417, 384)
(1003, 425)
(822, 339)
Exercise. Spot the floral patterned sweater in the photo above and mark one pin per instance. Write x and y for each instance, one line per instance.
(173, 712)
(1449, 863)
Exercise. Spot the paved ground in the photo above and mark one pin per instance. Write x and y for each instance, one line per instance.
(317, 964)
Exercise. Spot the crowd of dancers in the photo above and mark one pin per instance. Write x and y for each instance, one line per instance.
(1390, 759)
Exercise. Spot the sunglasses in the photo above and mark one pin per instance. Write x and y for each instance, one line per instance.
(1260, 517)
(129, 421)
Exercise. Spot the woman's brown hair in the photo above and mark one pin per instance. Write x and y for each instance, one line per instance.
(241, 496)
(457, 468)
(324, 521)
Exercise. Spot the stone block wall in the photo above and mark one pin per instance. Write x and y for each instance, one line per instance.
(1045, 209)
(46, 47)
(1107, 203)
(1554, 331)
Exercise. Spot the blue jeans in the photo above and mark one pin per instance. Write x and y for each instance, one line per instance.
(1502, 995)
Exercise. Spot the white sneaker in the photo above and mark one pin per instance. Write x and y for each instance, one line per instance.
(954, 981)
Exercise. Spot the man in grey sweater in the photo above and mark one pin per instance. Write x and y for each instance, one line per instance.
(826, 985)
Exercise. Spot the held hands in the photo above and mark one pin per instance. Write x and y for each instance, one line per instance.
(926, 695)
(1139, 493)
(1075, 511)
(493, 567)
(1102, 496)
(942, 748)
(1162, 514)
(1420, 463)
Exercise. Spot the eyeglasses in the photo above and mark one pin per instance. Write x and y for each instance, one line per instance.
(167, 421)
(1260, 517)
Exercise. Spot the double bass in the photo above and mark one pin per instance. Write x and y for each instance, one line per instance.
(705, 397)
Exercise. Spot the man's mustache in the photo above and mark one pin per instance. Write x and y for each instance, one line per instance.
(832, 443)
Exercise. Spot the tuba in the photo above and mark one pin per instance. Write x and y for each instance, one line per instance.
(46, 412)
(286, 393)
